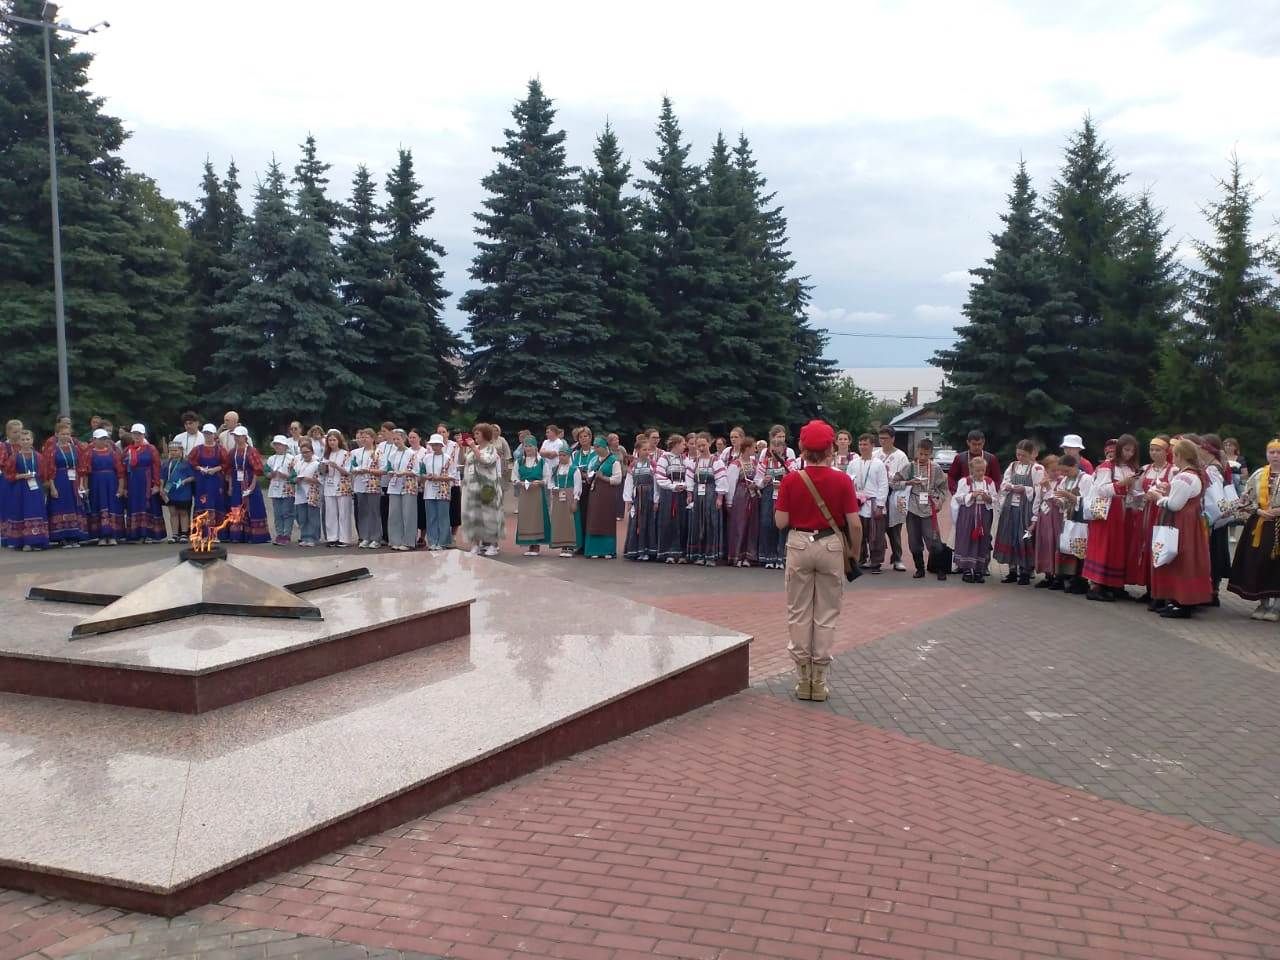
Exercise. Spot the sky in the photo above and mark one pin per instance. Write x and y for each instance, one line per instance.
(890, 131)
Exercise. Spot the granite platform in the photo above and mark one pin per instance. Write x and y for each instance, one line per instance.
(207, 661)
(161, 812)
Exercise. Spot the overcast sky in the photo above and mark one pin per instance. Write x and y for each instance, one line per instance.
(890, 131)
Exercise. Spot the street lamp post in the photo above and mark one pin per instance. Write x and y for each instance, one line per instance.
(46, 25)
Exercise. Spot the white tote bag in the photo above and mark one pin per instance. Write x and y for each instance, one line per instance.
(1164, 543)
(1074, 539)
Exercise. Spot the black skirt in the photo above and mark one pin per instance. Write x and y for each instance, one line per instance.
(1255, 573)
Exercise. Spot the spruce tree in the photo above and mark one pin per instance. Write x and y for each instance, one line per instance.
(534, 325)
(423, 366)
(310, 183)
(1001, 373)
(614, 258)
(1087, 215)
(279, 351)
(811, 371)
(681, 388)
(212, 225)
(367, 336)
(1208, 356)
(122, 266)
(1147, 301)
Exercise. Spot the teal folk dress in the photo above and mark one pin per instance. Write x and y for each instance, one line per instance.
(602, 514)
(534, 522)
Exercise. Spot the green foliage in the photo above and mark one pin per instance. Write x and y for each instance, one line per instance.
(847, 406)
(538, 342)
(213, 223)
(1010, 371)
(614, 258)
(1218, 369)
(122, 261)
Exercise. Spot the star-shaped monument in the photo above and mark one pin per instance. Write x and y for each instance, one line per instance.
(203, 581)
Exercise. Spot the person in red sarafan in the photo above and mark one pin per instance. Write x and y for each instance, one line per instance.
(815, 555)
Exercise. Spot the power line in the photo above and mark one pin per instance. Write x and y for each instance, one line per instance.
(888, 336)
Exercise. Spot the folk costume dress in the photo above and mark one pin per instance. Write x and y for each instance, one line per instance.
(743, 512)
(1069, 564)
(640, 494)
(1106, 562)
(673, 501)
(972, 519)
(533, 518)
(210, 487)
(566, 518)
(1049, 518)
(771, 546)
(601, 527)
(1219, 544)
(8, 492)
(29, 524)
(1255, 572)
(67, 522)
(483, 518)
(246, 468)
(145, 517)
(103, 473)
(706, 521)
(1017, 510)
(1185, 580)
(581, 462)
(1139, 569)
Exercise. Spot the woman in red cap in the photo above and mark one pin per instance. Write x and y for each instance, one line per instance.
(815, 554)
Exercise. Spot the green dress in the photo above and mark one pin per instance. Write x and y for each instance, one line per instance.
(601, 512)
(581, 462)
(536, 497)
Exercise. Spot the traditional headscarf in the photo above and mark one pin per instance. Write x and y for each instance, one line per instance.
(529, 441)
(600, 442)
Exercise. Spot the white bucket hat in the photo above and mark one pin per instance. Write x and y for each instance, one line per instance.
(209, 428)
(240, 432)
(280, 439)
(138, 428)
(101, 434)
(435, 438)
(1072, 440)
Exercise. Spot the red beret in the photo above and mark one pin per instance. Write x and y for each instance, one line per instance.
(816, 436)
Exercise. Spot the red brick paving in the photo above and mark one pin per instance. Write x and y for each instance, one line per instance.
(764, 616)
(760, 827)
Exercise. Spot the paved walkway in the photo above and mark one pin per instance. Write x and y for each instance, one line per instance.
(999, 773)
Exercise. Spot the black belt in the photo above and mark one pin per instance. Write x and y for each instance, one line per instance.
(816, 534)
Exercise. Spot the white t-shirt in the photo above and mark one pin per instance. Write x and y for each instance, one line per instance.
(434, 464)
(363, 459)
(188, 441)
(333, 476)
(282, 462)
(304, 468)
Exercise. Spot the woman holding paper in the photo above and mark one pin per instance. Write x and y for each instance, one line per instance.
(1180, 584)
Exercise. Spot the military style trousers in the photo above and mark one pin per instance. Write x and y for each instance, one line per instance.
(815, 582)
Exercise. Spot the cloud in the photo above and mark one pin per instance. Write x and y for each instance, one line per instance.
(934, 313)
(839, 316)
(958, 278)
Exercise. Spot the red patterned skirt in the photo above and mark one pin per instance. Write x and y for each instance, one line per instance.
(1186, 580)
(1106, 563)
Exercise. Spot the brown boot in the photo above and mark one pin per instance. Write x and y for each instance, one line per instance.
(818, 681)
(802, 681)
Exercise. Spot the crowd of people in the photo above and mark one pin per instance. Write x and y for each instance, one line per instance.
(1161, 526)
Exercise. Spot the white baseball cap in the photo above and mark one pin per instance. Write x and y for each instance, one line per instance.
(1072, 440)
(280, 439)
(435, 438)
(240, 432)
(101, 434)
(209, 428)
(138, 428)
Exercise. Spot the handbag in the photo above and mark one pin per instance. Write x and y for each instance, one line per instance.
(1074, 539)
(1164, 542)
(851, 571)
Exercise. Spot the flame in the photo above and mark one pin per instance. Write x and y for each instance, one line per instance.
(204, 534)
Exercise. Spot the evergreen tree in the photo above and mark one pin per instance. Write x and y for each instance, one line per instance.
(1146, 303)
(535, 327)
(681, 388)
(212, 225)
(123, 274)
(423, 366)
(310, 182)
(279, 351)
(615, 261)
(1088, 214)
(367, 335)
(811, 371)
(1005, 374)
(1230, 300)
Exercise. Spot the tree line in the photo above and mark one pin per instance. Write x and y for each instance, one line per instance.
(1083, 320)
(669, 298)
